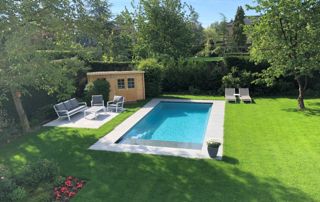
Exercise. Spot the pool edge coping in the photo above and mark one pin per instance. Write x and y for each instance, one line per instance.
(214, 130)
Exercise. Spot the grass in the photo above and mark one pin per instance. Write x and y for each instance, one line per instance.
(272, 153)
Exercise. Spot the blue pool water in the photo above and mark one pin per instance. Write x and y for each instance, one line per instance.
(172, 121)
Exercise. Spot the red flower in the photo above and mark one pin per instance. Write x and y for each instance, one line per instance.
(71, 194)
(63, 189)
(68, 183)
(79, 185)
(68, 189)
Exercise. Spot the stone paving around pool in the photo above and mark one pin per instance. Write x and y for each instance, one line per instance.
(79, 121)
(215, 130)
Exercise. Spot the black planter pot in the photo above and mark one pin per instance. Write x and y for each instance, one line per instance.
(213, 151)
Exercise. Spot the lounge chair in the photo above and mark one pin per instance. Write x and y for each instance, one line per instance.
(97, 100)
(245, 95)
(230, 94)
(116, 103)
(69, 108)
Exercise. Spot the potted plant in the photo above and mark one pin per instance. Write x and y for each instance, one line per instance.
(213, 147)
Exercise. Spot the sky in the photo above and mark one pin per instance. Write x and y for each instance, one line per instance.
(208, 10)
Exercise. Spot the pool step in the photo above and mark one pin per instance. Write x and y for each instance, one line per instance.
(159, 143)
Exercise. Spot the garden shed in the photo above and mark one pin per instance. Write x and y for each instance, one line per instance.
(129, 84)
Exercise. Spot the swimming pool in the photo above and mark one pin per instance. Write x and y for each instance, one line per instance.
(171, 124)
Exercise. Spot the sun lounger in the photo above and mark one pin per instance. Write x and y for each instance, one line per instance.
(245, 95)
(229, 94)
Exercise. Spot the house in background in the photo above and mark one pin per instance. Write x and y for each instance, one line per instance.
(129, 84)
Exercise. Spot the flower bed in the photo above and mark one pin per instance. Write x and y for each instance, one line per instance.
(68, 189)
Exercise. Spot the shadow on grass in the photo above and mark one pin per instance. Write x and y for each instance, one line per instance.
(136, 177)
(316, 104)
(307, 111)
(230, 160)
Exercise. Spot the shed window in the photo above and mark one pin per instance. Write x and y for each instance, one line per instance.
(121, 84)
(130, 82)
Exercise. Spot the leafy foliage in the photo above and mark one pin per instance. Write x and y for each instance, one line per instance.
(239, 36)
(237, 79)
(166, 28)
(29, 30)
(42, 170)
(286, 35)
(9, 190)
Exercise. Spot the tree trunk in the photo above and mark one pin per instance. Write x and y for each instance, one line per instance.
(302, 89)
(20, 110)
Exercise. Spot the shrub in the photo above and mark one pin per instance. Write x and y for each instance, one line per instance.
(237, 79)
(194, 91)
(43, 193)
(18, 194)
(42, 170)
(4, 172)
(230, 80)
(218, 51)
(9, 190)
(152, 76)
(98, 87)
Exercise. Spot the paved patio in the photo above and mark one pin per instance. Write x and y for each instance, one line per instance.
(79, 121)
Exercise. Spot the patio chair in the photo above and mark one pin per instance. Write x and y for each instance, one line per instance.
(97, 100)
(116, 103)
(244, 95)
(230, 94)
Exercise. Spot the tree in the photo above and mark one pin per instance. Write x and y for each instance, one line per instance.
(220, 35)
(30, 30)
(94, 24)
(287, 36)
(122, 37)
(239, 36)
(222, 29)
(196, 31)
(163, 28)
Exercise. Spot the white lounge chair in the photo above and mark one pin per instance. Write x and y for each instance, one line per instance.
(116, 103)
(97, 100)
(245, 95)
(230, 94)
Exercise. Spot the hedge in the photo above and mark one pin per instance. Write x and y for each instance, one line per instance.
(110, 66)
(244, 63)
(182, 75)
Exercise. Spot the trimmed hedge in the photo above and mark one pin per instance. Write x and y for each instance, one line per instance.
(110, 66)
(193, 76)
(152, 76)
(244, 63)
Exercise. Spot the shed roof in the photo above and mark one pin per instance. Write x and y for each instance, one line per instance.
(113, 72)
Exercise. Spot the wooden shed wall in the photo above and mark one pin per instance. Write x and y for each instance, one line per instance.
(130, 94)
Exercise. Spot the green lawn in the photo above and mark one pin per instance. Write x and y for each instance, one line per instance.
(272, 154)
